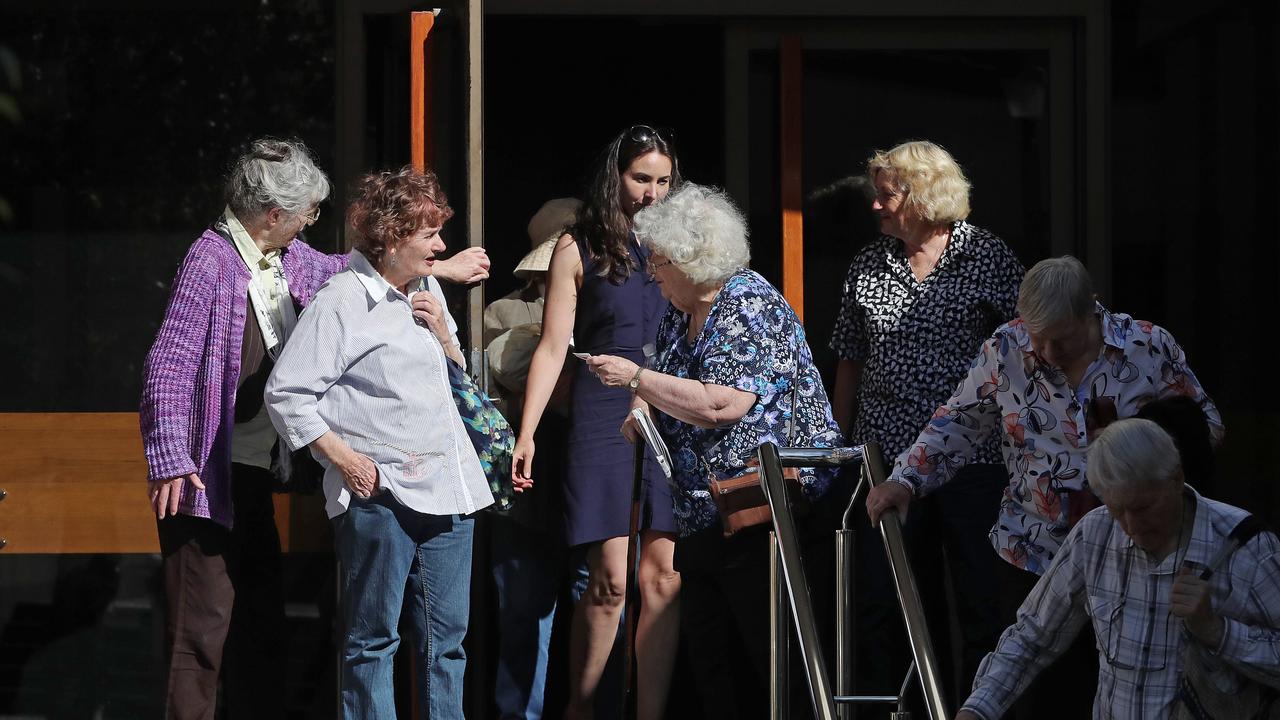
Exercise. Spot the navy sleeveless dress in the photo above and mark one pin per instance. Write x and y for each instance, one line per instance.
(610, 320)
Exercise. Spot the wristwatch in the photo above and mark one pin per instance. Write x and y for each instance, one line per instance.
(635, 379)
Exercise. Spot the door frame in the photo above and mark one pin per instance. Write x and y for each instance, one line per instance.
(1072, 34)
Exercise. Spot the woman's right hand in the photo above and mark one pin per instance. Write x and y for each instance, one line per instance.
(165, 494)
(522, 463)
(359, 473)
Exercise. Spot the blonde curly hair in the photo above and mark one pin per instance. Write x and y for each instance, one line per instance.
(935, 187)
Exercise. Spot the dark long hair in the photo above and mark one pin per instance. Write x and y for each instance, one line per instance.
(601, 223)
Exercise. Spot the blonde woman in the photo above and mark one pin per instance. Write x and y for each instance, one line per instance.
(918, 303)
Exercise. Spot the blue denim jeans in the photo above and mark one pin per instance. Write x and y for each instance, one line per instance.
(531, 570)
(387, 549)
(528, 572)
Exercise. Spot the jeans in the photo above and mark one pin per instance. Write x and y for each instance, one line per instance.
(385, 549)
(529, 571)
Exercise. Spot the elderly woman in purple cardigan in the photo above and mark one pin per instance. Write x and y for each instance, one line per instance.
(212, 453)
(208, 441)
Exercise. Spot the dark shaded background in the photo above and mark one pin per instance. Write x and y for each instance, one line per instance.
(118, 122)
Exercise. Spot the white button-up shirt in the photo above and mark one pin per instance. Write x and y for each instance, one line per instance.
(358, 364)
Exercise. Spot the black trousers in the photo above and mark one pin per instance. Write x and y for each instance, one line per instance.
(224, 607)
(1065, 689)
(946, 535)
(724, 611)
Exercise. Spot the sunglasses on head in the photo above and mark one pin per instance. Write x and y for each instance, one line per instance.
(645, 133)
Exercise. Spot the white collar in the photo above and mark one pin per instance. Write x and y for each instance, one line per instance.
(374, 284)
(249, 252)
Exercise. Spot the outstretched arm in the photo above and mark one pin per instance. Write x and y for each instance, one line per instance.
(563, 280)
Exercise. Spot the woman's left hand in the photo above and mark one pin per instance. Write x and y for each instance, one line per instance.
(629, 429)
(612, 370)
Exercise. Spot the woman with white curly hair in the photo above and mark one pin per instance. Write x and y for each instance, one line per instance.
(730, 352)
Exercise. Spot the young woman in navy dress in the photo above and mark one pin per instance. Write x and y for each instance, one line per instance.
(600, 298)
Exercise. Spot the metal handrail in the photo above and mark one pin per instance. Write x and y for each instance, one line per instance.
(784, 527)
(908, 592)
(772, 460)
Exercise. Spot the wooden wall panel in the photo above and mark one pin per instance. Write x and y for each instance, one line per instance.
(76, 483)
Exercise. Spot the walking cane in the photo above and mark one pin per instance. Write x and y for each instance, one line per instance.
(628, 608)
(648, 436)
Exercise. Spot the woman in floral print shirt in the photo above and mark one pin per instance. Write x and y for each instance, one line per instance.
(730, 351)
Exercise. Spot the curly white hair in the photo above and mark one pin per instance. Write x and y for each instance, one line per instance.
(700, 230)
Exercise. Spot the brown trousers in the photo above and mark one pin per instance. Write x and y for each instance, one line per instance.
(224, 588)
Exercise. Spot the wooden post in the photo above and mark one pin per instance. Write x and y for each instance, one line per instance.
(475, 176)
(420, 24)
(791, 57)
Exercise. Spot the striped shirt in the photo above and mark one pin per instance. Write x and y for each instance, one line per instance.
(358, 364)
(1100, 577)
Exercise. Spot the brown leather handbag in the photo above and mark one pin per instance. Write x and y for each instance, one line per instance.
(741, 502)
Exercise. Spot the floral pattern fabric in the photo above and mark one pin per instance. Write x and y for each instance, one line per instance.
(751, 341)
(914, 338)
(1042, 423)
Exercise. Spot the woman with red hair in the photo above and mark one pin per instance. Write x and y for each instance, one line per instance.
(365, 384)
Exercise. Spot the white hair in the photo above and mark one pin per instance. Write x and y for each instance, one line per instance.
(275, 173)
(1054, 291)
(1133, 454)
(699, 230)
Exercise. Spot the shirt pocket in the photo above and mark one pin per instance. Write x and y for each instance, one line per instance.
(1106, 613)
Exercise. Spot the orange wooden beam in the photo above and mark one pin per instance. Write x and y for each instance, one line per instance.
(791, 56)
(420, 26)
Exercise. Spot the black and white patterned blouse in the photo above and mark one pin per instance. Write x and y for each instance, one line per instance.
(916, 339)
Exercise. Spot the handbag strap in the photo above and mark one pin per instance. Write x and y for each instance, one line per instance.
(795, 382)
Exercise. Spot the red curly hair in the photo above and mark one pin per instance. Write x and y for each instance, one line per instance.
(392, 206)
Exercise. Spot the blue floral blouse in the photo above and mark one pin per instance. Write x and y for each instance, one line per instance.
(751, 341)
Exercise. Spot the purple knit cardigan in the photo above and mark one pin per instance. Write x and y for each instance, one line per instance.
(190, 375)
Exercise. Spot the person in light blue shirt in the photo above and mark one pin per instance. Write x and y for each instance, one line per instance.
(364, 383)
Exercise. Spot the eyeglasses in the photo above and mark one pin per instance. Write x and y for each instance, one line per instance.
(652, 268)
(1146, 654)
(645, 133)
(312, 216)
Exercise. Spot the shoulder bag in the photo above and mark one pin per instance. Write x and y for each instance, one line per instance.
(489, 432)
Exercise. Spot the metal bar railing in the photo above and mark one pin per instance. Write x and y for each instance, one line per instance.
(780, 638)
(772, 460)
(846, 591)
(784, 526)
(908, 593)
